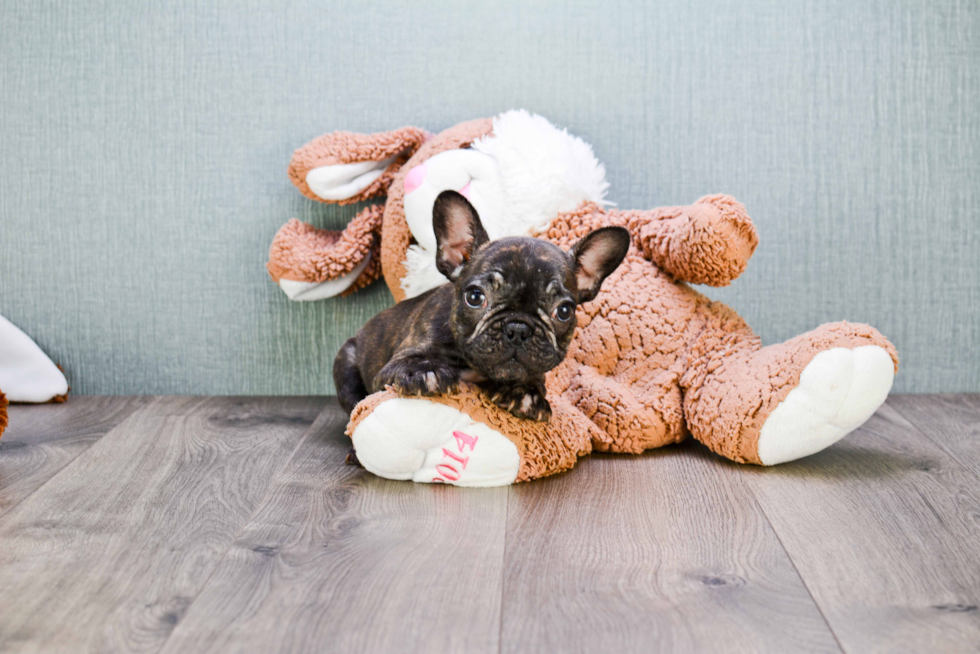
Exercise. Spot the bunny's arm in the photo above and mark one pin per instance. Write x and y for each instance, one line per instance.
(708, 242)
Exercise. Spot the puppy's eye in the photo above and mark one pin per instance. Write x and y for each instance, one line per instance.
(565, 311)
(474, 298)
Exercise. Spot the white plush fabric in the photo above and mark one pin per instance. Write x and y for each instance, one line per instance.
(26, 373)
(343, 181)
(543, 170)
(406, 438)
(839, 390)
(517, 179)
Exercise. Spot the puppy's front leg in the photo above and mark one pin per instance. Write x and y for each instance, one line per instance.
(418, 375)
(523, 399)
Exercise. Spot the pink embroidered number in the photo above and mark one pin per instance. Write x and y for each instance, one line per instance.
(448, 471)
(464, 439)
(463, 460)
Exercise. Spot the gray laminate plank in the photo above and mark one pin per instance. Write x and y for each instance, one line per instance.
(108, 554)
(665, 552)
(884, 530)
(43, 438)
(950, 421)
(337, 559)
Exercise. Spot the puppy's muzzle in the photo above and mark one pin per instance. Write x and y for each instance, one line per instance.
(517, 332)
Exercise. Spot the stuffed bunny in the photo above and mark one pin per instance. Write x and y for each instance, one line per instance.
(652, 360)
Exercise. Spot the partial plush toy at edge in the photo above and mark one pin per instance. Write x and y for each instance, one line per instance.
(26, 373)
(3, 413)
(653, 360)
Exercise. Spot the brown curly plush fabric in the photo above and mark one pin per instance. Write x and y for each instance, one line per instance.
(3, 412)
(709, 242)
(303, 253)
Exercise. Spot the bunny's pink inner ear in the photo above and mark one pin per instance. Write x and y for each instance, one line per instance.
(344, 167)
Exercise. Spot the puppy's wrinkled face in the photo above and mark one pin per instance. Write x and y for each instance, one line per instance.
(514, 309)
(513, 313)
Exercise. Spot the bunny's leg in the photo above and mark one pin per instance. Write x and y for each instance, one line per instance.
(769, 405)
(629, 419)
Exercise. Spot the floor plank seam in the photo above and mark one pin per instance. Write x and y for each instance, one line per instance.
(246, 523)
(813, 599)
(503, 574)
(954, 457)
(13, 507)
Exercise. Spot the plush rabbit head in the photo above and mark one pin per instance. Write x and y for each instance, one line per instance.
(518, 171)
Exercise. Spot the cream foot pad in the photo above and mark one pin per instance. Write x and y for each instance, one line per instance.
(407, 438)
(839, 390)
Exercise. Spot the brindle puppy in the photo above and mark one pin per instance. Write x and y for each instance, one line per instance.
(505, 320)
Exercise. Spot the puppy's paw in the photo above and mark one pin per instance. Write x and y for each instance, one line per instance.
(420, 377)
(351, 458)
(423, 382)
(525, 402)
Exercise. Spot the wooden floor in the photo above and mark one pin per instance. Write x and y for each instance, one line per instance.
(230, 524)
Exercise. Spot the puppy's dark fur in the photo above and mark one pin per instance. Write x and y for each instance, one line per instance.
(505, 320)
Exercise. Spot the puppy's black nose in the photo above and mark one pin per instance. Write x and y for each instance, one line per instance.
(517, 331)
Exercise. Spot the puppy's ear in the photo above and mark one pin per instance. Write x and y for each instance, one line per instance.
(596, 256)
(459, 232)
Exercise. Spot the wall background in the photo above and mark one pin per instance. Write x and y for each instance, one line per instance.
(144, 148)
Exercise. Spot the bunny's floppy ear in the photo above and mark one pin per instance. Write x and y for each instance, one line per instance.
(344, 167)
(312, 264)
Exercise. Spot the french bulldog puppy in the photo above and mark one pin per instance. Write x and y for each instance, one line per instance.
(505, 319)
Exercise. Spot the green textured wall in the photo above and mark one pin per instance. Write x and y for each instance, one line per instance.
(144, 147)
